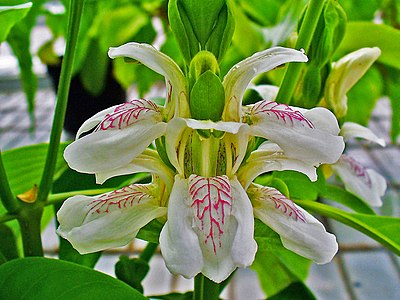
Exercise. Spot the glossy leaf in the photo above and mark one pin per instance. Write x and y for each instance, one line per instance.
(295, 291)
(367, 34)
(131, 271)
(342, 196)
(384, 230)
(44, 278)
(9, 15)
(8, 246)
(276, 266)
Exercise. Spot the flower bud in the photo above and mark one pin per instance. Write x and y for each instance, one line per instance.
(345, 74)
(201, 25)
(207, 95)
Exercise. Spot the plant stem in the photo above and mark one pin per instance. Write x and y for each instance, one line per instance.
(29, 223)
(76, 7)
(205, 289)
(306, 33)
(6, 195)
(148, 252)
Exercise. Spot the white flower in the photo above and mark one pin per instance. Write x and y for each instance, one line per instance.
(365, 183)
(201, 176)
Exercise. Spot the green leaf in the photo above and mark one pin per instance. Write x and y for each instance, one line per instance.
(346, 198)
(8, 246)
(300, 186)
(368, 34)
(132, 271)
(174, 296)
(276, 266)
(44, 278)
(384, 230)
(361, 9)
(393, 91)
(68, 253)
(24, 166)
(151, 232)
(9, 15)
(295, 291)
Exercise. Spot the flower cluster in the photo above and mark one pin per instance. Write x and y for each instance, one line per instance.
(203, 171)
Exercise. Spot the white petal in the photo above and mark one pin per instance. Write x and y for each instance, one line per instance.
(266, 91)
(354, 130)
(160, 63)
(179, 243)
(110, 220)
(310, 137)
(231, 127)
(211, 204)
(173, 138)
(365, 183)
(269, 157)
(142, 163)
(300, 232)
(244, 247)
(344, 75)
(119, 137)
(240, 75)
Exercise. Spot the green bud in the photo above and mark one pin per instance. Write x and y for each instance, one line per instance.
(207, 98)
(202, 62)
(201, 25)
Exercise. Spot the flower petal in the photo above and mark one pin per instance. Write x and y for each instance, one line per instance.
(118, 138)
(240, 75)
(310, 137)
(231, 127)
(160, 63)
(266, 91)
(354, 130)
(109, 220)
(269, 157)
(179, 243)
(300, 232)
(211, 204)
(365, 183)
(244, 246)
(143, 163)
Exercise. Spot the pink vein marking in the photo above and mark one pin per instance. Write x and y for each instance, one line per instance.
(126, 114)
(285, 205)
(357, 169)
(281, 112)
(211, 197)
(122, 198)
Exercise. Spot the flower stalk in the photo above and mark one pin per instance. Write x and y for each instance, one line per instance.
(306, 33)
(76, 7)
(7, 197)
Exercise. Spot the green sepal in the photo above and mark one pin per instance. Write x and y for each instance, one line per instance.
(207, 98)
(131, 271)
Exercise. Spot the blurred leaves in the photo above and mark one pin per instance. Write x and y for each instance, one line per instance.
(9, 15)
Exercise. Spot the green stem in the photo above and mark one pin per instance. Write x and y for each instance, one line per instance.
(148, 252)
(29, 223)
(76, 7)
(205, 289)
(306, 33)
(6, 195)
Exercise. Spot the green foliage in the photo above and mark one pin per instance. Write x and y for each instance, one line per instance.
(367, 34)
(132, 271)
(9, 15)
(381, 228)
(276, 266)
(68, 253)
(393, 91)
(43, 278)
(295, 291)
(8, 245)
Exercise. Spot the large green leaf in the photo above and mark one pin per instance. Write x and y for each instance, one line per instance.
(384, 230)
(295, 291)
(276, 266)
(9, 15)
(368, 34)
(45, 279)
(24, 166)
